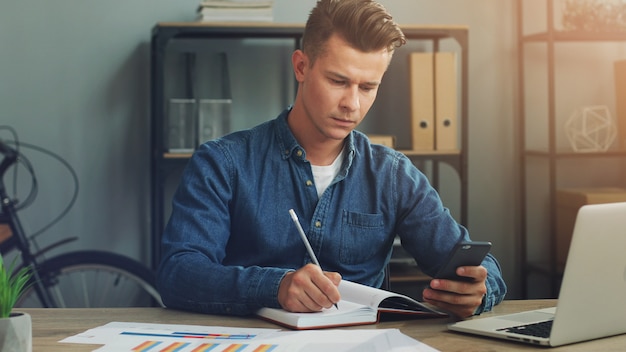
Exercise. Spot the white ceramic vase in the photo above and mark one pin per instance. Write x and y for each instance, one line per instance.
(16, 333)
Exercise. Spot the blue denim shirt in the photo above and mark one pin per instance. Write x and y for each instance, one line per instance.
(230, 238)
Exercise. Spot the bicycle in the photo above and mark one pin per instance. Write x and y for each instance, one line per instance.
(83, 278)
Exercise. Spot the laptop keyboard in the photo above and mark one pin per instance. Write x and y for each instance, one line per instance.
(541, 329)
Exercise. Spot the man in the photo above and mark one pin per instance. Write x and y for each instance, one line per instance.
(230, 246)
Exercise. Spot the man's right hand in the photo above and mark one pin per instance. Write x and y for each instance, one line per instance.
(309, 289)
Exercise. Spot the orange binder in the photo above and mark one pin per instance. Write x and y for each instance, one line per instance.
(446, 121)
(422, 101)
(620, 101)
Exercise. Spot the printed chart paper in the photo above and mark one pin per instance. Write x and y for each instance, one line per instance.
(142, 332)
(143, 337)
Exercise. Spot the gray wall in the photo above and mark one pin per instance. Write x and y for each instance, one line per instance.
(74, 78)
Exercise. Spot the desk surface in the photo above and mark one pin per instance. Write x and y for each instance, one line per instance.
(53, 324)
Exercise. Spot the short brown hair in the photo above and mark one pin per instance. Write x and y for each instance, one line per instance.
(364, 24)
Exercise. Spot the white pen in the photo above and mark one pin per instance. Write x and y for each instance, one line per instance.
(294, 217)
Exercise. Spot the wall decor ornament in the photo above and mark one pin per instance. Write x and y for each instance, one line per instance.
(591, 129)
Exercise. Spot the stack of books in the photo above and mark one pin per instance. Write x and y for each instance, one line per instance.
(236, 11)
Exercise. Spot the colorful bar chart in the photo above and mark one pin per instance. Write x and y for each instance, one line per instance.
(161, 346)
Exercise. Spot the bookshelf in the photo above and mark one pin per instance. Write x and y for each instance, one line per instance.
(164, 164)
(551, 161)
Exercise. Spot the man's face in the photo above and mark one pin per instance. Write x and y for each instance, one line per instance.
(340, 87)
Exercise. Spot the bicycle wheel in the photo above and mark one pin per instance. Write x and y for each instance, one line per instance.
(94, 279)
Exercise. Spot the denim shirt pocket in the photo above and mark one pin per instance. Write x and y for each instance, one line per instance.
(362, 237)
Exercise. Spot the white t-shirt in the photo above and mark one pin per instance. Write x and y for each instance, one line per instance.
(324, 175)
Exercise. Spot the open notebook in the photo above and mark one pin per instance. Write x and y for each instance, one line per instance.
(592, 299)
(359, 305)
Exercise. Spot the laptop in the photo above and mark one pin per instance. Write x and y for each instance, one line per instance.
(592, 298)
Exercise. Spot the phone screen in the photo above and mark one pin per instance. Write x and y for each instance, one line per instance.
(463, 254)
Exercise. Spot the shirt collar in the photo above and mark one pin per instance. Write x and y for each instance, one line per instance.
(288, 144)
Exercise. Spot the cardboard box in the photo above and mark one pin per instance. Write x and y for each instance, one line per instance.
(568, 201)
(386, 140)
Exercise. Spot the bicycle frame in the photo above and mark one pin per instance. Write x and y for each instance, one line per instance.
(81, 278)
(9, 216)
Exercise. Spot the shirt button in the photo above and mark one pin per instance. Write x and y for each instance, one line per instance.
(318, 224)
(299, 152)
(309, 183)
(286, 151)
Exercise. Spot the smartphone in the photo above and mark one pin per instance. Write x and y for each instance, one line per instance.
(464, 253)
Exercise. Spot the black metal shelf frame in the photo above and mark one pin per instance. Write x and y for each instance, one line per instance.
(161, 164)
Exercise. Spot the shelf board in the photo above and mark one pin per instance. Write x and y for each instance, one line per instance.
(572, 154)
(429, 153)
(177, 155)
(276, 29)
(232, 25)
(574, 36)
(409, 153)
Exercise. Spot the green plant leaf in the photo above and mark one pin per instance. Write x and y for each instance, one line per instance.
(12, 285)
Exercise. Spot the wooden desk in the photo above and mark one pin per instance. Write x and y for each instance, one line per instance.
(53, 324)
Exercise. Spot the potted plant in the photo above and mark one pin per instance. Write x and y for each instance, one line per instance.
(15, 327)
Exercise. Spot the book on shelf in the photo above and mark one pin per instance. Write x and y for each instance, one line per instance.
(446, 121)
(245, 11)
(433, 90)
(236, 3)
(359, 305)
(421, 80)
